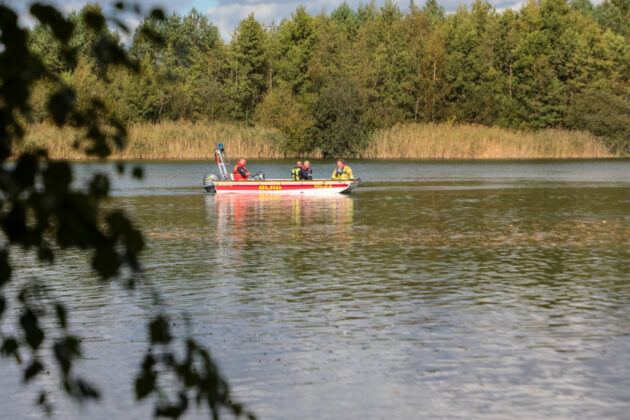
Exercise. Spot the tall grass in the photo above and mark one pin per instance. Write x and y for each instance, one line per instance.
(178, 140)
(187, 140)
(466, 141)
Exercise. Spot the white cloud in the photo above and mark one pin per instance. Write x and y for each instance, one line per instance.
(226, 14)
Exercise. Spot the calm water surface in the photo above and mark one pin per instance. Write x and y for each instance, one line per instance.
(437, 289)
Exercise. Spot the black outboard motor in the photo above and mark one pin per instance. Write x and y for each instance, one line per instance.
(208, 183)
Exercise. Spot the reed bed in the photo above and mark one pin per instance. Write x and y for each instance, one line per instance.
(176, 140)
(181, 140)
(467, 141)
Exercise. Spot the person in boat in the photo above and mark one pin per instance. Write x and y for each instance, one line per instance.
(240, 172)
(295, 172)
(306, 173)
(342, 171)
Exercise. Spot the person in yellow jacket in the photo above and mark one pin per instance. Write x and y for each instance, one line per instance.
(295, 172)
(342, 171)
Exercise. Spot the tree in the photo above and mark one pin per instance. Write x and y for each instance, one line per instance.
(281, 109)
(339, 120)
(603, 114)
(42, 212)
(249, 80)
(297, 41)
(434, 11)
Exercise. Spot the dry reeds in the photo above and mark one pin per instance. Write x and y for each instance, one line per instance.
(183, 140)
(177, 140)
(468, 141)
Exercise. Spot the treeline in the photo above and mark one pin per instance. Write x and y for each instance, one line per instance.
(327, 81)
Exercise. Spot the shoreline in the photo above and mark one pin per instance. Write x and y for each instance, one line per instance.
(290, 158)
(181, 141)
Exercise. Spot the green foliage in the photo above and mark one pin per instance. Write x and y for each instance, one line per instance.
(297, 41)
(339, 120)
(603, 114)
(517, 69)
(281, 109)
(435, 12)
(250, 68)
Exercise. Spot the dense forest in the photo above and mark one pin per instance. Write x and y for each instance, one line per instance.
(326, 81)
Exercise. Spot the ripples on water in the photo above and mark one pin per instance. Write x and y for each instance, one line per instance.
(470, 290)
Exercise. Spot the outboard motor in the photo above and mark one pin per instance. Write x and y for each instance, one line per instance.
(208, 183)
(259, 176)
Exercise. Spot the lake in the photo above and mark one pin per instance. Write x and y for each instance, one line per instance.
(456, 289)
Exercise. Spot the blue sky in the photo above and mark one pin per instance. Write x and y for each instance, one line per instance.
(226, 14)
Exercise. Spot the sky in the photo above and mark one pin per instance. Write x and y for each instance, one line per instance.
(226, 14)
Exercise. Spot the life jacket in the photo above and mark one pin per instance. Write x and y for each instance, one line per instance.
(236, 173)
(306, 173)
(342, 173)
(295, 173)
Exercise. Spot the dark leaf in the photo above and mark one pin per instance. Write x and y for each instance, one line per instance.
(25, 170)
(5, 267)
(118, 222)
(42, 401)
(9, 346)
(66, 350)
(46, 254)
(57, 177)
(121, 25)
(108, 52)
(99, 186)
(99, 145)
(60, 105)
(32, 370)
(61, 314)
(135, 242)
(159, 331)
(86, 390)
(157, 14)
(33, 334)
(70, 55)
(94, 20)
(106, 262)
(145, 382)
(50, 16)
(15, 223)
(137, 172)
(153, 36)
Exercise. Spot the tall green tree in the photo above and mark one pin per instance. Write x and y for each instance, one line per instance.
(250, 67)
(339, 120)
(297, 42)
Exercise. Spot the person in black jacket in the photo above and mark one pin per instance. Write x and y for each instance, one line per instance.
(306, 173)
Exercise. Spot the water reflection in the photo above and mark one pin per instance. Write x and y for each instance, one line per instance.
(241, 220)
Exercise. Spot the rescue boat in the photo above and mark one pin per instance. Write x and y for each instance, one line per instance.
(258, 184)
